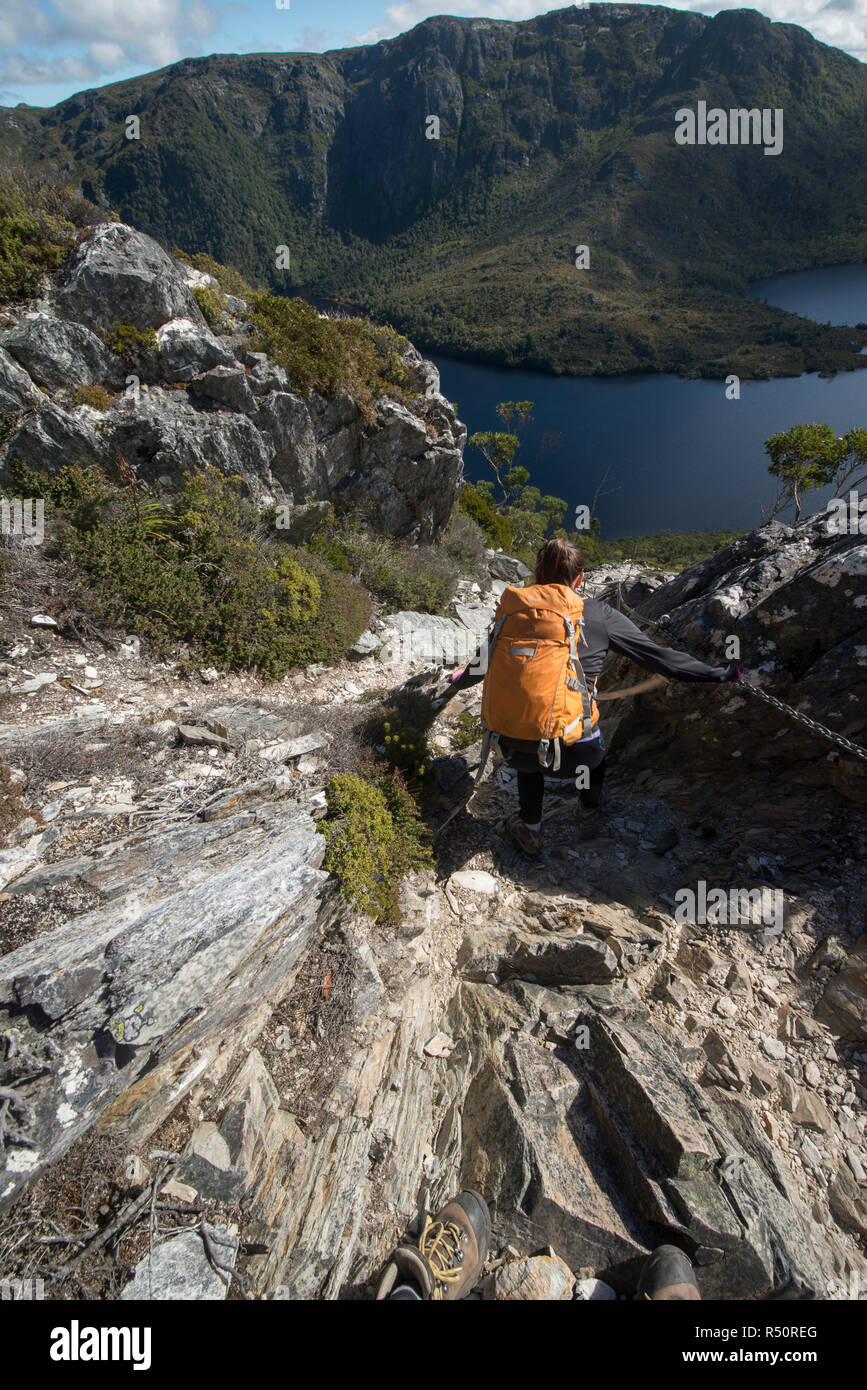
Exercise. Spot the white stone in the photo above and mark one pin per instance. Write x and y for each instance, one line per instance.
(593, 1290)
(475, 881)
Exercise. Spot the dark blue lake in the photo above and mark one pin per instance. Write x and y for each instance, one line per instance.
(679, 455)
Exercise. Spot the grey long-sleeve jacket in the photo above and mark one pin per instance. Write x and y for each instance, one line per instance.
(604, 627)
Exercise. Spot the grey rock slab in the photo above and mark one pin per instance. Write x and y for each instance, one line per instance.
(630, 1061)
(179, 1269)
(49, 437)
(119, 275)
(425, 637)
(135, 980)
(198, 736)
(505, 567)
(16, 387)
(59, 354)
(226, 386)
(475, 616)
(284, 750)
(549, 958)
(186, 348)
(843, 1006)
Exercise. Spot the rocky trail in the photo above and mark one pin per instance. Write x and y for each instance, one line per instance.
(217, 1080)
(180, 978)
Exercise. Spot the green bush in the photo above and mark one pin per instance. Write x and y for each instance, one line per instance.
(398, 574)
(406, 748)
(374, 837)
(198, 567)
(492, 523)
(133, 344)
(468, 730)
(38, 224)
(95, 396)
(463, 546)
(229, 279)
(210, 301)
(330, 355)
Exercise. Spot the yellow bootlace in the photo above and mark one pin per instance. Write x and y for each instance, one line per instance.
(440, 1242)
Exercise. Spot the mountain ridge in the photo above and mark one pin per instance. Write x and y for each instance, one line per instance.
(466, 242)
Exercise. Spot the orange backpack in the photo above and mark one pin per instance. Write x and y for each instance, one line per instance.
(535, 690)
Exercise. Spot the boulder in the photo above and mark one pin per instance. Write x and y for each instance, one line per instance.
(555, 958)
(16, 387)
(119, 275)
(227, 386)
(505, 567)
(265, 375)
(296, 525)
(180, 1270)
(50, 437)
(425, 637)
(537, 1279)
(177, 960)
(186, 348)
(58, 354)
(795, 598)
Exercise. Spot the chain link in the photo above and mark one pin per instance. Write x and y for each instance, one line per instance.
(820, 729)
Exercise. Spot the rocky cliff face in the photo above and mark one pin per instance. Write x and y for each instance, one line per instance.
(554, 130)
(202, 398)
(197, 1014)
(795, 597)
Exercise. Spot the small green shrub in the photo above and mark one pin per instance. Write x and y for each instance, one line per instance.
(374, 837)
(330, 355)
(210, 301)
(196, 567)
(463, 546)
(468, 729)
(229, 279)
(95, 396)
(133, 344)
(398, 574)
(493, 525)
(406, 748)
(38, 224)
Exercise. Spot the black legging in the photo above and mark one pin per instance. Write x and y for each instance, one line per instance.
(531, 778)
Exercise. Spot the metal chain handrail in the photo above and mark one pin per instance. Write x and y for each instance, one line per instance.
(816, 728)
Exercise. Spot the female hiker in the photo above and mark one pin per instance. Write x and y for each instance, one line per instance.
(540, 667)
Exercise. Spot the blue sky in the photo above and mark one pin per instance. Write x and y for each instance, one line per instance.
(52, 48)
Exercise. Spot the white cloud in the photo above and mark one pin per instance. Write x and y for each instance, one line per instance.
(108, 57)
(20, 23)
(106, 35)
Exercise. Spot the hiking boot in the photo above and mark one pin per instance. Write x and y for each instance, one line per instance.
(586, 805)
(667, 1276)
(530, 841)
(449, 1255)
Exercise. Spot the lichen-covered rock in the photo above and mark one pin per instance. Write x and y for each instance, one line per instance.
(171, 967)
(537, 1279)
(179, 1268)
(796, 599)
(186, 348)
(59, 354)
(227, 386)
(403, 466)
(119, 275)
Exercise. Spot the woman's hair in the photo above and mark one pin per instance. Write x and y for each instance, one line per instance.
(559, 562)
